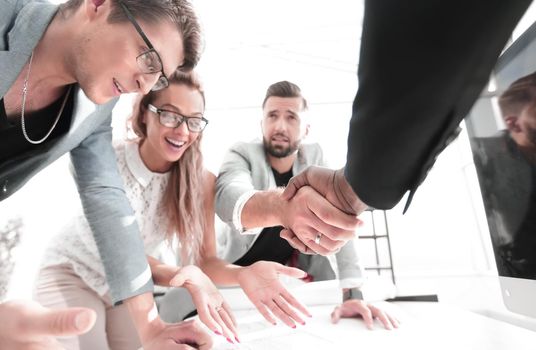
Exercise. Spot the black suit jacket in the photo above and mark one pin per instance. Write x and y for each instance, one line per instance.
(422, 65)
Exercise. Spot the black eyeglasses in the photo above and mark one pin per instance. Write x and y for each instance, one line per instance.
(174, 120)
(149, 61)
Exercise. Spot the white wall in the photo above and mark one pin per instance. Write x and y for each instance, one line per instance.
(251, 44)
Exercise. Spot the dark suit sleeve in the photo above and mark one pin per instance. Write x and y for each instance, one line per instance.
(422, 65)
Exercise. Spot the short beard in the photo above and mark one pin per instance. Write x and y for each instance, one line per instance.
(278, 151)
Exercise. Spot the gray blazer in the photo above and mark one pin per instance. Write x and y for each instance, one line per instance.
(22, 23)
(245, 168)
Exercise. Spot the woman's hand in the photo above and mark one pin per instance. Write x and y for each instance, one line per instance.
(360, 308)
(213, 310)
(261, 284)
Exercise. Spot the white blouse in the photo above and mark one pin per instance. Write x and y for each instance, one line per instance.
(75, 245)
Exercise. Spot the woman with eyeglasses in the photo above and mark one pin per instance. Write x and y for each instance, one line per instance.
(172, 196)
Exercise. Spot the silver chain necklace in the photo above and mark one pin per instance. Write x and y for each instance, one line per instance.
(24, 93)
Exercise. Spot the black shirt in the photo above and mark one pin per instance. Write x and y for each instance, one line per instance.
(37, 125)
(269, 246)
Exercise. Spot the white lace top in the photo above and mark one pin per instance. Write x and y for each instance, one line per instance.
(75, 244)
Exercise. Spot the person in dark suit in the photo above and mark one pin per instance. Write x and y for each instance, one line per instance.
(422, 65)
(506, 167)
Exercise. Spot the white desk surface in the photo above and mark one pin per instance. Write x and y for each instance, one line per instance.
(425, 325)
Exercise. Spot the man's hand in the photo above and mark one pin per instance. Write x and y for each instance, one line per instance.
(261, 284)
(28, 325)
(360, 308)
(155, 334)
(213, 310)
(317, 223)
(179, 336)
(329, 183)
(333, 186)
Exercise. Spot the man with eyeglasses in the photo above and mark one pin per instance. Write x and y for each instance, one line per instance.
(62, 71)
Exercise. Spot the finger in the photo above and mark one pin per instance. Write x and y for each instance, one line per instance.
(331, 215)
(295, 303)
(380, 314)
(293, 240)
(336, 315)
(329, 245)
(279, 313)
(367, 315)
(331, 230)
(296, 242)
(227, 308)
(64, 322)
(287, 309)
(394, 321)
(216, 314)
(202, 339)
(332, 239)
(264, 312)
(206, 317)
(294, 185)
(229, 322)
(318, 249)
(191, 333)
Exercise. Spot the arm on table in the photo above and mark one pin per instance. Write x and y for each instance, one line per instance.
(259, 281)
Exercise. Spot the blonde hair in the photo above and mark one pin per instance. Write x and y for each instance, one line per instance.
(182, 200)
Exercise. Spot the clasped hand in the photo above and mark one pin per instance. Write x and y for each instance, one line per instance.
(335, 204)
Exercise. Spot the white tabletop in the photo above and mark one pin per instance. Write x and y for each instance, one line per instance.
(424, 326)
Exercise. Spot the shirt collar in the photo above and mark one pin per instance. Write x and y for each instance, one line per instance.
(136, 166)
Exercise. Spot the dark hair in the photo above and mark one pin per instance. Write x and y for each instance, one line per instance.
(520, 94)
(179, 12)
(284, 89)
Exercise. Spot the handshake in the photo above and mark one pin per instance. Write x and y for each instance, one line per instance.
(325, 211)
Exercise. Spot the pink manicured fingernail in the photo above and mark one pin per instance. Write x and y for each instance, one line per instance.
(217, 332)
(294, 326)
(230, 341)
(238, 340)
